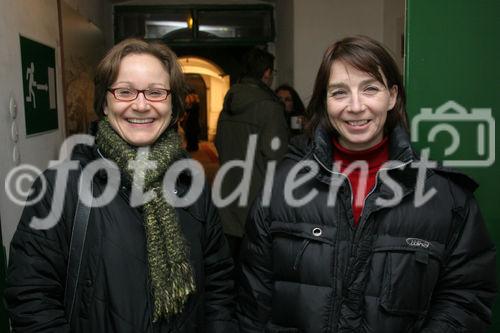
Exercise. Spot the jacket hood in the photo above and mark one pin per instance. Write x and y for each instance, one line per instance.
(247, 92)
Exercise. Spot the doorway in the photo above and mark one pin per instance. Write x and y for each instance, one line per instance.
(197, 85)
(211, 84)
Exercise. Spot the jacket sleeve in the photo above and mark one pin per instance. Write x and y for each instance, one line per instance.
(274, 126)
(466, 289)
(37, 269)
(219, 284)
(256, 280)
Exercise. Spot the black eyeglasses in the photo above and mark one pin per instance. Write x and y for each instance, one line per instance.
(130, 94)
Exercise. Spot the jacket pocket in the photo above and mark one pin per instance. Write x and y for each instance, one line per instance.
(411, 270)
(303, 252)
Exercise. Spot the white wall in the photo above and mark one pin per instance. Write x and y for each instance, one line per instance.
(394, 19)
(319, 23)
(37, 20)
(97, 12)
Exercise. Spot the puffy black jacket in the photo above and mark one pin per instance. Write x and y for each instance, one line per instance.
(113, 292)
(402, 269)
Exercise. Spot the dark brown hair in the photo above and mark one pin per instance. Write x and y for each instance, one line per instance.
(108, 68)
(298, 106)
(364, 54)
(256, 62)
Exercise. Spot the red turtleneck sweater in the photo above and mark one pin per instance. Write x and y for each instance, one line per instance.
(374, 157)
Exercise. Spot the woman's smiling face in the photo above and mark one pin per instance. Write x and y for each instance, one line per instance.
(357, 106)
(140, 122)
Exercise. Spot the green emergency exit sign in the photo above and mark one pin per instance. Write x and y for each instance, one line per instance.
(39, 86)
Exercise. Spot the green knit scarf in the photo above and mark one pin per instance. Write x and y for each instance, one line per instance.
(170, 272)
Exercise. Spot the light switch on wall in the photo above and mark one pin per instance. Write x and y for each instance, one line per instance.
(16, 156)
(14, 133)
(12, 108)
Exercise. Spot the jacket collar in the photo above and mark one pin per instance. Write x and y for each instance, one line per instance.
(400, 153)
(245, 94)
(400, 149)
(254, 81)
(319, 148)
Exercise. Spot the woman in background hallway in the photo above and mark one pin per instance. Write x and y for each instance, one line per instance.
(294, 108)
(191, 124)
(145, 268)
(352, 247)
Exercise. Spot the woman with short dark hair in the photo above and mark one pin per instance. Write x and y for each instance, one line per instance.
(147, 264)
(345, 241)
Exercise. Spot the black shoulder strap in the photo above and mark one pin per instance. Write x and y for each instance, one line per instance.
(78, 234)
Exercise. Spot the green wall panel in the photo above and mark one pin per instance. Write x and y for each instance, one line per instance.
(453, 54)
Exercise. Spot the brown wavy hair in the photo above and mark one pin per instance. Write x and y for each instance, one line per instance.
(108, 68)
(366, 55)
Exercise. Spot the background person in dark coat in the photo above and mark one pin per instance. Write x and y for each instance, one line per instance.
(191, 124)
(339, 253)
(147, 268)
(250, 107)
(294, 108)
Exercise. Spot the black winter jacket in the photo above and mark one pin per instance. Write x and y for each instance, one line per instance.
(250, 107)
(402, 269)
(113, 292)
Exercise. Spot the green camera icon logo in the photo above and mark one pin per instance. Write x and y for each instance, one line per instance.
(470, 135)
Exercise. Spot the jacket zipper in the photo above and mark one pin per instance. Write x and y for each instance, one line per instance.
(358, 231)
(336, 310)
(335, 173)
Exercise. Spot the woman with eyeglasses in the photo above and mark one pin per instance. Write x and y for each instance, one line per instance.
(355, 235)
(148, 265)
